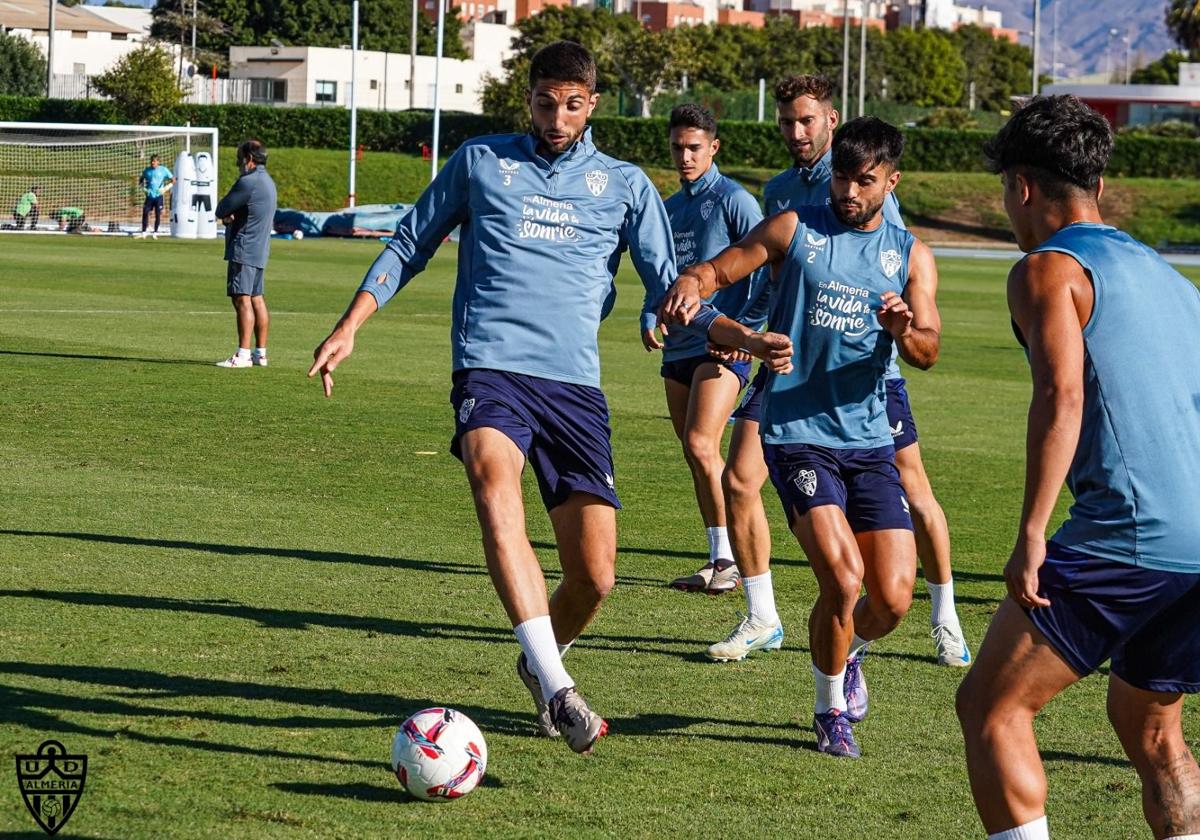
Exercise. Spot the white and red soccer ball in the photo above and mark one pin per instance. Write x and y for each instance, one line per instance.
(439, 754)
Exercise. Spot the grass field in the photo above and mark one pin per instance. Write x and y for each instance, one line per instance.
(228, 591)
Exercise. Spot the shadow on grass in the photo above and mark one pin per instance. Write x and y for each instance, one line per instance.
(273, 618)
(313, 555)
(940, 223)
(666, 724)
(88, 356)
(363, 792)
(1058, 755)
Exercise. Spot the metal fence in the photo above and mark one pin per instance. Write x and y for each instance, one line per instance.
(201, 91)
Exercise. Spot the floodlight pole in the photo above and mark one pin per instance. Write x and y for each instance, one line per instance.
(193, 33)
(845, 56)
(1037, 31)
(50, 51)
(437, 88)
(350, 198)
(862, 63)
(412, 60)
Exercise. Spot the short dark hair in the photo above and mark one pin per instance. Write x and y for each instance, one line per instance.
(155, 157)
(253, 150)
(691, 115)
(864, 143)
(563, 61)
(1057, 141)
(819, 88)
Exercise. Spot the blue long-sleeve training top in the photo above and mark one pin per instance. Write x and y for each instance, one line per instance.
(540, 243)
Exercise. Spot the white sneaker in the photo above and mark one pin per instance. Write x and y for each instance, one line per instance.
(141, 235)
(749, 635)
(724, 580)
(259, 360)
(697, 582)
(154, 235)
(952, 647)
(235, 361)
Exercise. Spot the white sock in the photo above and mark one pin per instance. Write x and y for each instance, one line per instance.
(243, 353)
(562, 649)
(541, 652)
(941, 595)
(856, 645)
(260, 351)
(1036, 830)
(718, 544)
(831, 692)
(760, 598)
(1183, 837)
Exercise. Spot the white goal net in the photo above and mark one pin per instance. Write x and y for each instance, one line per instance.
(93, 169)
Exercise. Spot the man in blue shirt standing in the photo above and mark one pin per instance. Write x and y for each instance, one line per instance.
(847, 287)
(708, 213)
(1110, 331)
(807, 120)
(248, 211)
(155, 179)
(544, 218)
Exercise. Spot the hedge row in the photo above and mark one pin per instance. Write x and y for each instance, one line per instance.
(643, 141)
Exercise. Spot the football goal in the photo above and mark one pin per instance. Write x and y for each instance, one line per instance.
(92, 168)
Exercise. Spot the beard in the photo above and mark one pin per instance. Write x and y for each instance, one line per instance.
(570, 137)
(857, 215)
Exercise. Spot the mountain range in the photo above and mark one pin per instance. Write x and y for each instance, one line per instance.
(1087, 42)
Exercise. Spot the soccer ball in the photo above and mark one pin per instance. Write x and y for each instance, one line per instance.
(297, 234)
(439, 754)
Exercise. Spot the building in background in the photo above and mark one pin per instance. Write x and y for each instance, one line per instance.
(1124, 105)
(87, 40)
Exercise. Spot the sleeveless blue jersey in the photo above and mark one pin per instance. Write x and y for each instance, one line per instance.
(799, 186)
(707, 216)
(826, 294)
(1136, 471)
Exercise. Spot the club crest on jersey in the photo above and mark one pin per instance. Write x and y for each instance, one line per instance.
(706, 209)
(464, 410)
(597, 181)
(890, 260)
(806, 481)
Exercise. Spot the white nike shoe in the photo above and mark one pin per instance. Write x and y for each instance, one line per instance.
(749, 635)
(235, 361)
(952, 647)
(154, 235)
(259, 360)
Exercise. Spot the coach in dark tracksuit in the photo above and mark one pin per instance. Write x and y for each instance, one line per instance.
(248, 212)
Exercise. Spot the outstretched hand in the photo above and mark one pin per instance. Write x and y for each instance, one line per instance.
(727, 354)
(335, 349)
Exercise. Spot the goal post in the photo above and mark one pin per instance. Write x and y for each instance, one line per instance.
(94, 168)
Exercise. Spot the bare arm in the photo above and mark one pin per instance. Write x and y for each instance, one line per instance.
(339, 344)
(767, 242)
(775, 349)
(912, 318)
(1050, 298)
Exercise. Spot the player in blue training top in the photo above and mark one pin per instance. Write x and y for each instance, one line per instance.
(1114, 350)
(155, 179)
(544, 218)
(709, 212)
(848, 286)
(807, 120)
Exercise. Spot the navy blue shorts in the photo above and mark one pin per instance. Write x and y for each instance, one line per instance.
(683, 371)
(1146, 621)
(899, 415)
(864, 483)
(243, 280)
(562, 429)
(751, 405)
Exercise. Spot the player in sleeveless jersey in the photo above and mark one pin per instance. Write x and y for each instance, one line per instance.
(544, 219)
(847, 287)
(707, 213)
(807, 119)
(1120, 579)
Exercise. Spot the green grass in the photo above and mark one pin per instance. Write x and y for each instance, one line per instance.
(228, 591)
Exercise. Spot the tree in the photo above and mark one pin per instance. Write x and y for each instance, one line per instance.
(142, 84)
(22, 67)
(923, 67)
(1165, 70)
(647, 61)
(999, 68)
(1183, 19)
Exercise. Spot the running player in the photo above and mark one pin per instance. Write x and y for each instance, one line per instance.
(1120, 579)
(709, 212)
(155, 179)
(848, 287)
(807, 120)
(544, 217)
